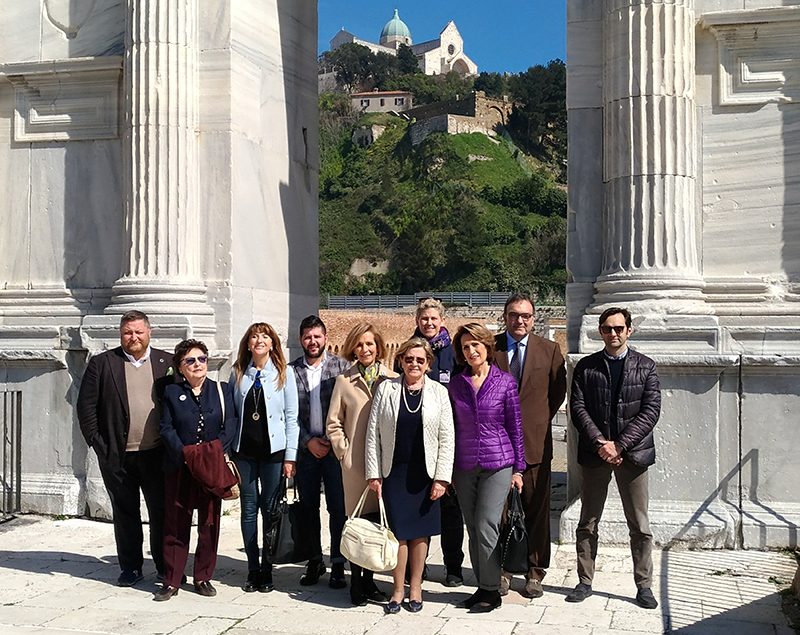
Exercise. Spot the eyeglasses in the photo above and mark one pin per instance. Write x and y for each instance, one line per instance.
(189, 361)
(525, 317)
(418, 360)
(605, 330)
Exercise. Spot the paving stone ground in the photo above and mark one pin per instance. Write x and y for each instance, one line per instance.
(58, 577)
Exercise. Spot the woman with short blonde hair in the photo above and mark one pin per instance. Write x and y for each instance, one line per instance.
(347, 431)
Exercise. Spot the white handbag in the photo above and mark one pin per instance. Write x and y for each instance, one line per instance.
(369, 545)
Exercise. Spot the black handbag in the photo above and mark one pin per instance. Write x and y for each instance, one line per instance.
(514, 537)
(287, 540)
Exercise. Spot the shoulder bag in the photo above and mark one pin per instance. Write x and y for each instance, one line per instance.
(287, 539)
(365, 543)
(514, 555)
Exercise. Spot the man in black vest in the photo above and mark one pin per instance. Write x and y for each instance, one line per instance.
(615, 404)
(119, 414)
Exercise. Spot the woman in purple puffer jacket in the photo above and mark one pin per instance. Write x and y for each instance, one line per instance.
(490, 455)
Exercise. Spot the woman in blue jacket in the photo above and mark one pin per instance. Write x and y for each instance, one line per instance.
(195, 410)
(265, 394)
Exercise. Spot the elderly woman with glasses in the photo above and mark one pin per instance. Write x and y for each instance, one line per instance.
(195, 410)
(409, 461)
(265, 394)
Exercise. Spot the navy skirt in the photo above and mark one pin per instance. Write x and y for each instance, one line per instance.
(407, 497)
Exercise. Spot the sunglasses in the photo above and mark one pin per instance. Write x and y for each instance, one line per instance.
(189, 361)
(605, 330)
(525, 317)
(419, 360)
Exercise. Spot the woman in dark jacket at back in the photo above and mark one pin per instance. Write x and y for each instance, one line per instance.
(192, 412)
(489, 457)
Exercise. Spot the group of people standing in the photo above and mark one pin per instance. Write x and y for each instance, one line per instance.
(441, 438)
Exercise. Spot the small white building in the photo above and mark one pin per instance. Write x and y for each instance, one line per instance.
(382, 101)
(435, 57)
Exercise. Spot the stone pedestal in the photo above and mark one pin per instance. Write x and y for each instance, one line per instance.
(157, 155)
(690, 222)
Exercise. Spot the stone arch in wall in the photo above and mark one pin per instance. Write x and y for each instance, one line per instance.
(498, 115)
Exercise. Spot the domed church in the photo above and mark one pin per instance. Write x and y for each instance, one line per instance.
(435, 57)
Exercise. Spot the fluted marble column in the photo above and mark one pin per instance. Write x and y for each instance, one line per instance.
(163, 225)
(649, 156)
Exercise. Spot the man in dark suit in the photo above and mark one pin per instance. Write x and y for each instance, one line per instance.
(119, 412)
(316, 371)
(538, 367)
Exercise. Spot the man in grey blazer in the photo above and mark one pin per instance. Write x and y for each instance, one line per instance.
(119, 411)
(316, 371)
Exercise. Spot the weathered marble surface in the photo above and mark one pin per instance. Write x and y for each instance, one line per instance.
(195, 201)
(692, 223)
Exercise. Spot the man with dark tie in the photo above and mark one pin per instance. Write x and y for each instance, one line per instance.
(538, 367)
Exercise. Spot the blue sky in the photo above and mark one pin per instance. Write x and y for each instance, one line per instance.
(509, 35)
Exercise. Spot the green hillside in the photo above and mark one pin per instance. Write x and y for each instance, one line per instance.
(455, 213)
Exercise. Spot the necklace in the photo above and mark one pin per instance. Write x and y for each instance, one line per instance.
(413, 394)
(256, 396)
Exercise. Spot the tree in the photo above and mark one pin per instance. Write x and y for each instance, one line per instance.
(539, 120)
(351, 63)
(493, 84)
(407, 63)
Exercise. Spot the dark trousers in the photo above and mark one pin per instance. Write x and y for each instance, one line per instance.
(452, 537)
(312, 471)
(178, 526)
(536, 504)
(632, 485)
(141, 471)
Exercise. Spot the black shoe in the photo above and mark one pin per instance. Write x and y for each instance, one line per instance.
(392, 608)
(373, 593)
(265, 584)
(253, 580)
(471, 601)
(579, 593)
(414, 606)
(645, 599)
(129, 577)
(453, 580)
(357, 598)
(314, 569)
(490, 601)
(165, 593)
(337, 580)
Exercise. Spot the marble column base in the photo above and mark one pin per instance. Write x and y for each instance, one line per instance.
(676, 523)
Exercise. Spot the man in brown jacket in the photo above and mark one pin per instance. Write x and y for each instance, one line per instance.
(538, 366)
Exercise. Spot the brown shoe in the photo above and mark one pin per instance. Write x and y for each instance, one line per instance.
(533, 588)
(505, 584)
(165, 593)
(204, 588)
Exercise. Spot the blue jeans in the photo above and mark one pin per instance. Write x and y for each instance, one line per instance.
(311, 471)
(260, 483)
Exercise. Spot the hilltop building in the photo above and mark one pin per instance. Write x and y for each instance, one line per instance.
(435, 57)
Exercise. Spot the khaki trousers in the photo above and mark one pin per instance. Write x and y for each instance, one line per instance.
(632, 484)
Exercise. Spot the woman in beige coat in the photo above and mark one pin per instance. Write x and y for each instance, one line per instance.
(347, 431)
(409, 462)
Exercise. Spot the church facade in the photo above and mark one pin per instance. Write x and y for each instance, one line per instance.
(435, 57)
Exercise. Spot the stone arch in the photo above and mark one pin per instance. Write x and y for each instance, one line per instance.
(460, 67)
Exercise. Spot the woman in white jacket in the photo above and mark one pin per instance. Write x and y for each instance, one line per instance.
(265, 396)
(409, 461)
